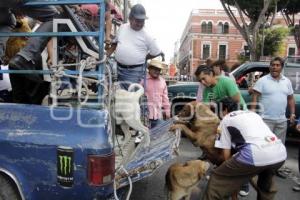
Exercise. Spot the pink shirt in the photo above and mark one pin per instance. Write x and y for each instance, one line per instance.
(157, 97)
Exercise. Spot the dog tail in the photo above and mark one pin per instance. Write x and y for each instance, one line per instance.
(139, 91)
(168, 181)
(168, 184)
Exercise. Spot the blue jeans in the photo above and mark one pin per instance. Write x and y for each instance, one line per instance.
(155, 122)
(128, 75)
(35, 45)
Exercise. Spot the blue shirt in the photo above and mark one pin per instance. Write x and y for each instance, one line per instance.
(273, 96)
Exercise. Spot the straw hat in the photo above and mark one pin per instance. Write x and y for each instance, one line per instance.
(156, 63)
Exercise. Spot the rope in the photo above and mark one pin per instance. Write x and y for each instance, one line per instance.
(130, 185)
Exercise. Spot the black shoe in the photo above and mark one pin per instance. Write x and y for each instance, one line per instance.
(281, 174)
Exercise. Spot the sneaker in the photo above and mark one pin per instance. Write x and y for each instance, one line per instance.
(296, 188)
(244, 190)
(281, 174)
(243, 193)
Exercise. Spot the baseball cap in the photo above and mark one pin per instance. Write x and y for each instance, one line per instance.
(138, 12)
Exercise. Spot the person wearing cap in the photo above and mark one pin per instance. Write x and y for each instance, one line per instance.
(156, 91)
(132, 47)
(90, 13)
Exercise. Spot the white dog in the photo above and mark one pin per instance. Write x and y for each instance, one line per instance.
(128, 112)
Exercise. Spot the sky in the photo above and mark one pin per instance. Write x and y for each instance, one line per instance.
(167, 19)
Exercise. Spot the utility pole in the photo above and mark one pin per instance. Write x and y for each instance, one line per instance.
(263, 38)
(125, 10)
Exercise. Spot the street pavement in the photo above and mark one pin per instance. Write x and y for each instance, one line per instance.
(152, 188)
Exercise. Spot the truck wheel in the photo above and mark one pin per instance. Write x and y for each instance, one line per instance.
(7, 190)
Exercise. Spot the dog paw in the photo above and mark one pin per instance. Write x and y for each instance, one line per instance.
(174, 127)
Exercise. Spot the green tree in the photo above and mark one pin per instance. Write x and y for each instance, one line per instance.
(273, 41)
(290, 8)
(249, 17)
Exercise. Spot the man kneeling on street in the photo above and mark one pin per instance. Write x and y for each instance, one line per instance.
(258, 152)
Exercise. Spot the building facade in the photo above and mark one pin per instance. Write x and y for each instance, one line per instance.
(209, 34)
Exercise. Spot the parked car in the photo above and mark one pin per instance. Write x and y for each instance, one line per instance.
(181, 93)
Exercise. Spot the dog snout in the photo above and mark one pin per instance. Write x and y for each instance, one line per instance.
(207, 165)
(176, 118)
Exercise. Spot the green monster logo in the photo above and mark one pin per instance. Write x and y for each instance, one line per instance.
(65, 165)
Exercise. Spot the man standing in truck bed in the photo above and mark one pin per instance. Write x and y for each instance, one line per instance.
(133, 46)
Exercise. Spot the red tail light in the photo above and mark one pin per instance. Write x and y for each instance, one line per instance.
(101, 169)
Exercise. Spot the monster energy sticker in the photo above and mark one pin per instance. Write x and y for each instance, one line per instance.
(65, 166)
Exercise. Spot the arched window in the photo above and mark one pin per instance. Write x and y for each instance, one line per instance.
(203, 27)
(209, 27)
(220, 27)
(226, 27)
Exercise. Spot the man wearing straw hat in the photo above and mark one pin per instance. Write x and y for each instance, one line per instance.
(157, 94)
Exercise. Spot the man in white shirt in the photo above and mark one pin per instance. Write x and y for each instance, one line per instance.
(258, 152)
(133, 46)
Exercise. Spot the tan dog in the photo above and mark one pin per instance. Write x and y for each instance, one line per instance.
(181, 179)
(200, 125)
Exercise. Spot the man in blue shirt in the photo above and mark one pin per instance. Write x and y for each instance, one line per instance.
(276, 93)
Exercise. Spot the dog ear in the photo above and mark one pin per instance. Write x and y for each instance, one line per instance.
(204, 112)
(202, 169)
(187, 111)
(186, 177)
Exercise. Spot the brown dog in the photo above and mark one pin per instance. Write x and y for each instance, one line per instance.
(181, 179)
(200, 125)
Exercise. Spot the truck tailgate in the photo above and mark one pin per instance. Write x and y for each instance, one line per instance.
(145, 161)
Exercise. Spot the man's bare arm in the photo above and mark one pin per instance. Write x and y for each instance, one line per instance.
(254, 101)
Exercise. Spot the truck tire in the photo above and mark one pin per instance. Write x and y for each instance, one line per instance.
(7, 190)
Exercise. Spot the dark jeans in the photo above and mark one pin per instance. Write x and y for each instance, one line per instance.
(231, 174)
(29, 88)
(155, 122)
(5, 96)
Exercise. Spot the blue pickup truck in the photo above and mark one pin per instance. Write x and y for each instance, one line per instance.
(67, 148)
(183, 92)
